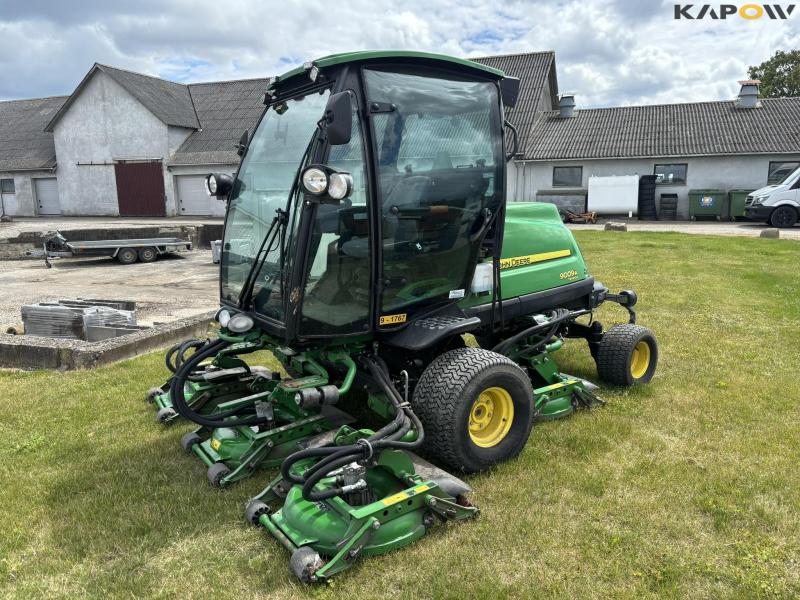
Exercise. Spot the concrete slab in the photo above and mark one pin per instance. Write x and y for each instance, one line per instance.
(23, 352)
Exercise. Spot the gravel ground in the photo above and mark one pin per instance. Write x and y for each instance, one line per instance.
(173, 287)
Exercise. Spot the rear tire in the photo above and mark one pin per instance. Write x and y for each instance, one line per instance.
(627, 355)
(783, 216)
(476, 408)
(147, 255)
(127, 256)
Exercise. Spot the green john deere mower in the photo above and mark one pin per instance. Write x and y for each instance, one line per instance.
(366, 235)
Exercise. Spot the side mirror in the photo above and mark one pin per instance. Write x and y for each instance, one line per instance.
(509, 91)
(219, 185)
(242, 145)
(339, 119)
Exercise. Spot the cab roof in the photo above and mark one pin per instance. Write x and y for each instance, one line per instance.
(384, 55)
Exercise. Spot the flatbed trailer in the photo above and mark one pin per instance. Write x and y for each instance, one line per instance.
(126, 252)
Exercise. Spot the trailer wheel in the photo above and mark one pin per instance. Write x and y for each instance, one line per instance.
(127, 256)
(476, 408)
(147, 255)
(627, 355)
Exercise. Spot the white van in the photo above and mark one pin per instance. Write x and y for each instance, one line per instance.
(778, 205)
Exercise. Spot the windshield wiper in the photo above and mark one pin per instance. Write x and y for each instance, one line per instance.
(277, 230)
(278, 222)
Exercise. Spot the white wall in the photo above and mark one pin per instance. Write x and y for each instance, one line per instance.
(103, 124)
(24, 202)
(718, 172)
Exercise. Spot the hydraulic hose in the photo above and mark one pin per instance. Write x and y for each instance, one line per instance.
(336, 457)
(178, 352)
(211, 348)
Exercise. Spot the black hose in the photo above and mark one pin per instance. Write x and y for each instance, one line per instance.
(335, 457)
(209, 349)
(168, 357)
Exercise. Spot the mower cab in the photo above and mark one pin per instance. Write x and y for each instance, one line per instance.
(366, 232)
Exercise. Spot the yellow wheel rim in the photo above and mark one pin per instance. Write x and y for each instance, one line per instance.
(640, 360)
(490, 417)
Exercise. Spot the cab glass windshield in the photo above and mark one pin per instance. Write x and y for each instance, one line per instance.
(263, 187)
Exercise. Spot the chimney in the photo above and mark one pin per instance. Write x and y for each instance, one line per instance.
(748, 95)
(566, 106)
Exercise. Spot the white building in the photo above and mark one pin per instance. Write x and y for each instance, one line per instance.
(129, 144)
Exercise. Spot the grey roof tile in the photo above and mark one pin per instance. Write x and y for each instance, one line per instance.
(225, 110)
(24, 144)
(537, 74)
(695, 129)
(167, 100)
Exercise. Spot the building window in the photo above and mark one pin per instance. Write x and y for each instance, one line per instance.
(780, 170)
(670, 174)
(567, 176)
(7, 186)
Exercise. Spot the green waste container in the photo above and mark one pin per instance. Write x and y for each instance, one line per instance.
(706, 203)
(736, 199)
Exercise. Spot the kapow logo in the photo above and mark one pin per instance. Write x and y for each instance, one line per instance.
(750, 12)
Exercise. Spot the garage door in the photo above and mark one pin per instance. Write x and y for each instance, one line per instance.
(47, 195)
(192, 196)
(140, 188)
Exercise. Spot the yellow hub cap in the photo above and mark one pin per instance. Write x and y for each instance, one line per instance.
(640, 360)
(490, 417)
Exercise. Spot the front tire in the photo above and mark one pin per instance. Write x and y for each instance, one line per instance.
(627, 355)
(476, 408)
(783, 216)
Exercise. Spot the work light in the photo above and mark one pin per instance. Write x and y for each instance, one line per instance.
(218, 184)
(223, 317)
(340, 185)
(315, 181)
(211, 185)
(322, 180)
(240, 323)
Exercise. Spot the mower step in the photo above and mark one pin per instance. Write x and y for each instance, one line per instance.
(424, 333)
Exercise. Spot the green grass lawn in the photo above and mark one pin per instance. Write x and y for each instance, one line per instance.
(688, 487)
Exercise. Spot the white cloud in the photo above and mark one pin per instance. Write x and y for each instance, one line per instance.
(608, 53)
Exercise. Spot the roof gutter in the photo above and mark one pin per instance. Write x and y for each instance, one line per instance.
(204, 164)
(653, 156)
(29, 169)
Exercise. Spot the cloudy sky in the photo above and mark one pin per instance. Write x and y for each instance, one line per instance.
(608, 53)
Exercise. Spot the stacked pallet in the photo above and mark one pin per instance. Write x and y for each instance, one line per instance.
(80, 319)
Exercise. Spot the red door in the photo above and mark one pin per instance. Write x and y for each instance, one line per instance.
(140, 189)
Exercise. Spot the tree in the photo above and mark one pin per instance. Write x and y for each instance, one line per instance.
(780, 75)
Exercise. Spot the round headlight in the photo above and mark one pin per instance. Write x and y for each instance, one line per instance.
(223, 317)
(240, 323)
(340, 186)
(211, 185)
(315, 181)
